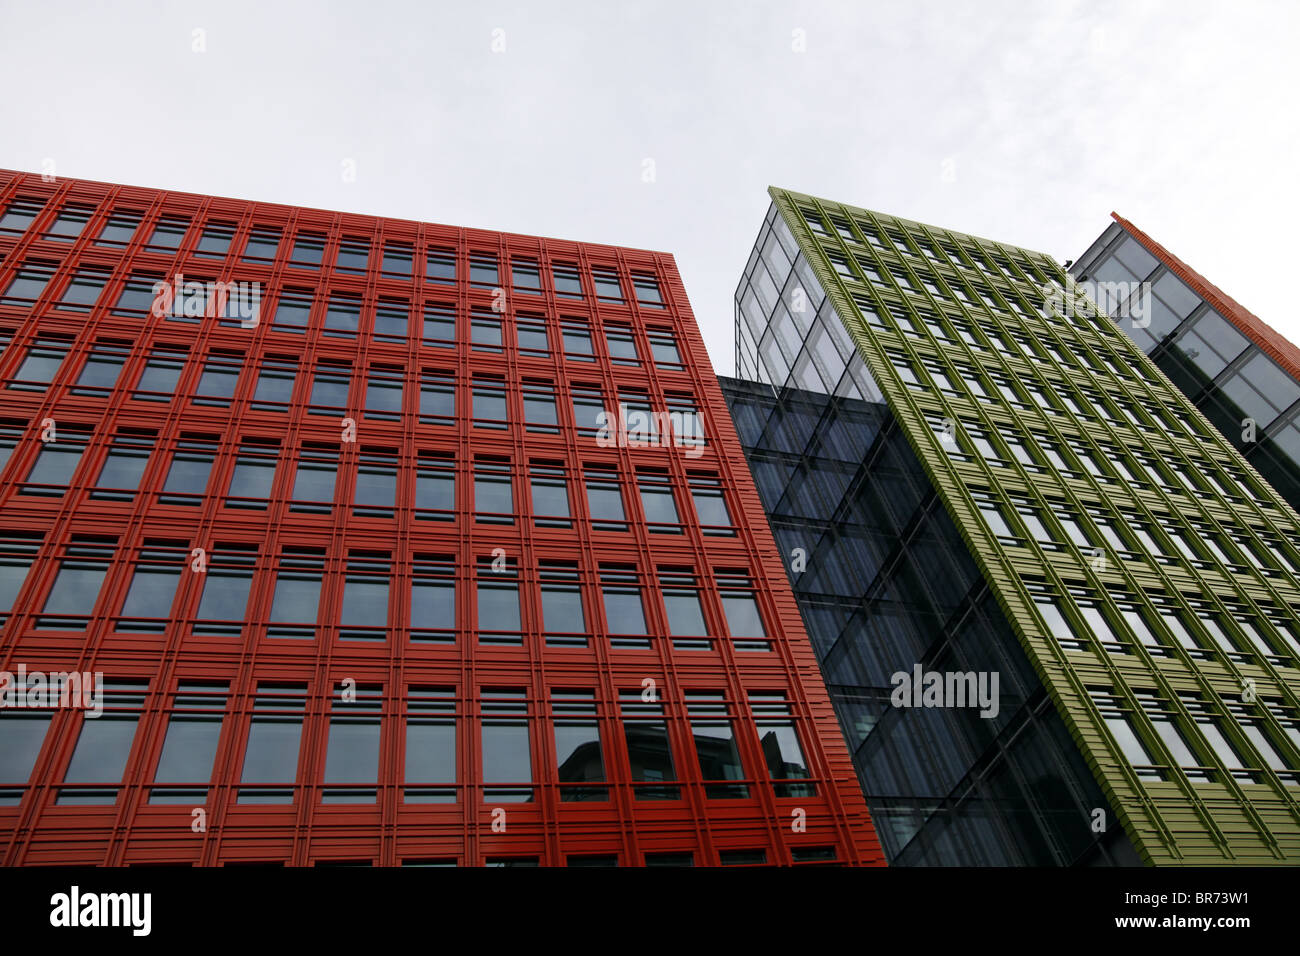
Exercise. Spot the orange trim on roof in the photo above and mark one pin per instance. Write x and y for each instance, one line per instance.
(1269, 339)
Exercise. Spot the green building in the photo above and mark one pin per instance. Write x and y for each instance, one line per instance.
(979, 482)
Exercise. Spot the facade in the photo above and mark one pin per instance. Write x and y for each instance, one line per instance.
(1057, 612)
(394, 544)
(1241, 373)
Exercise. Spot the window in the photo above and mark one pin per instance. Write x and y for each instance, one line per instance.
(647, 290)
(506, 745)
(622, 346)
(485, 331)
(398, 260)
(263, 244)
(40, 365)
(160, 375)
(168, 234)
(296, 602)
(118, 229)
(274, 736)
(56, 462)
(215, 241)
(222, 609)
(483, 271)
(313, 486)
(710, 505)
(778, 738)
(433, 599)
(568, 284)
(1117, 716)
(589, 414)
(540, 414)
(715, 745)
(577, 341)
(740, 607)
(663, 347)
(20, 215)
(187, 478)
(624, 611)
(531, 332)
(343, 315)
(83, 289)
(124, 465)
(439, 325)
(435, 487)
(563, 620)
(29, 284)
(352, 748)
(658, 502)
(441, 266)
(1171, 730)
(274, 388)
(18, 549)
(308, 250)
(493, 496)
(76, 587)
(23, 731)
(376, 487)
(147, 607)
(686, 624)
(649, 750)
(526, 275)
(579, 762)
(437, 398)
(489, 409)
(99, 760)
(384, 392)
(189, 750)
(391, 318)
(608, 287)
(430, 745)
(293, 311)
(220, 375)
(354, 255)
(550, 495)
(605, 500)
(329, 388)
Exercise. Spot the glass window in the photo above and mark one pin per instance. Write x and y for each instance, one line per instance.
(352, 748)
(433, 599)
(103, 746)
(190, 746)
(441, 266)
(274, 736)
(430, 745)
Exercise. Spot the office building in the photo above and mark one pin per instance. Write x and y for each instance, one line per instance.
(1055, 609)
(1239, 371)
(382, 543)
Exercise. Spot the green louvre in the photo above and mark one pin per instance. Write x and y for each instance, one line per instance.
(1149, 572)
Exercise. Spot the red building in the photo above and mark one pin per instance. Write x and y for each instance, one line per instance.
(382, 542)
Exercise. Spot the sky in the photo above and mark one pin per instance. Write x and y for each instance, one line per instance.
(660, 125)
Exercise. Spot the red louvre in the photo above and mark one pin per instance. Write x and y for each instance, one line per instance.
(328, 502)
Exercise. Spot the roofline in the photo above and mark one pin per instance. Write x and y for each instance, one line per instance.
(1272, 342)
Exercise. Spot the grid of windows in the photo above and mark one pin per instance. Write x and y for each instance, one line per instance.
(373, 552)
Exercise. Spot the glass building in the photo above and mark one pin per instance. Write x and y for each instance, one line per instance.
(394, 543)
(1058, 613)
(1240, 372)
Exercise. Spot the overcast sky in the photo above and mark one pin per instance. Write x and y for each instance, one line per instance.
(1023, 122)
